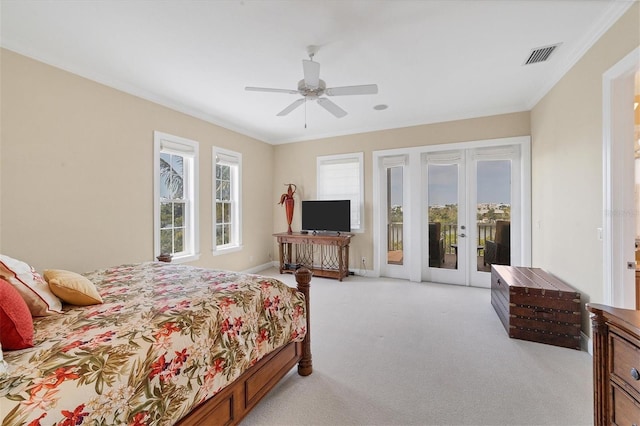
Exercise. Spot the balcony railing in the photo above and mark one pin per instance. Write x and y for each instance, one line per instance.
(486, 231)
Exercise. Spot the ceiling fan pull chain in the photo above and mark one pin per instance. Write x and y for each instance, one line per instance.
(305, 113)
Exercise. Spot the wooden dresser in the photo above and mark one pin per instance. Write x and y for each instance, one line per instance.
(616, 365)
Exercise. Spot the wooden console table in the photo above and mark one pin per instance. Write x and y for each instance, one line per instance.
(326, 255)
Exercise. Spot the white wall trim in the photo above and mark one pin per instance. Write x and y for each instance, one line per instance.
(586, 343)
(610, 17)
(256, 269)
(612, 178)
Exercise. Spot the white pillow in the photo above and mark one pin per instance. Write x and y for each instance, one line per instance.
(3, 365)
(31, 286)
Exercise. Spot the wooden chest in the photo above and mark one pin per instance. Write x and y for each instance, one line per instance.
(534, 305)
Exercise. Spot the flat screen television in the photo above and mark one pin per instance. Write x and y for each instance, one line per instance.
(326, 215)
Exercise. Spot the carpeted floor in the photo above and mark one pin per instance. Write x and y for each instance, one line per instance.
(393, 352)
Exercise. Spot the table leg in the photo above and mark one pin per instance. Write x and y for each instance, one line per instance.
(281, 255)
(340, 263)
(346, 259)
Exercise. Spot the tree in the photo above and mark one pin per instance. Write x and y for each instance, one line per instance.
(396, 214)
(171, 177)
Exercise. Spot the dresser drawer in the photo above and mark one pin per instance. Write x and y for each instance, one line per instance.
(625, 362)
(626, 411)
(616, 361)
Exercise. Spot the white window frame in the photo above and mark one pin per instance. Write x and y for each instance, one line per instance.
(323, 193)
(166, 143)
(233, 159)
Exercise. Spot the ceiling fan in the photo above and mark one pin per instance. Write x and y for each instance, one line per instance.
(312, 88)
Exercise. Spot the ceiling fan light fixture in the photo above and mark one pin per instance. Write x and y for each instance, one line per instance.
(312, 88)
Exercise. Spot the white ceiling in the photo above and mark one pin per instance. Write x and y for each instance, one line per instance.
(432, 60)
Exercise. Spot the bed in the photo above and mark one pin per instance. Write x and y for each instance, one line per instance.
(170, 344)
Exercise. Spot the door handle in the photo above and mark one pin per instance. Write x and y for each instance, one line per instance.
(462, 235)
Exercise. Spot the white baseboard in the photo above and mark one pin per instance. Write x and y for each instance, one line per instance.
(259, 268)
(586, 343)
(362, 272)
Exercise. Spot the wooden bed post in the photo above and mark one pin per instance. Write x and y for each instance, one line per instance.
(303, 278)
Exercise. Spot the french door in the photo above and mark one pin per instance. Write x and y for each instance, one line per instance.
(471, 207)
(446, 215)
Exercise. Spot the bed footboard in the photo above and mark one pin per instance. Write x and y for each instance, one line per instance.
(234, 402)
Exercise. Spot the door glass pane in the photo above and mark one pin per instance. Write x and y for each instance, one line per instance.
(442, 203)
(493, 213)
(395, 252)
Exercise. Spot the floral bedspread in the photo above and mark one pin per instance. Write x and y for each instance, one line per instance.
(166, 338)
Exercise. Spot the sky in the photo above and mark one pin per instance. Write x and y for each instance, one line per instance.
(494, 183)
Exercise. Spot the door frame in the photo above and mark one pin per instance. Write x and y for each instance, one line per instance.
(413, 169)
(617, 86)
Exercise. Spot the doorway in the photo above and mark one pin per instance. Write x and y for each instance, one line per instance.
(619, 187)
(446, 213)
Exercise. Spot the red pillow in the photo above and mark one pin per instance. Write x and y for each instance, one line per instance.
(16, 324)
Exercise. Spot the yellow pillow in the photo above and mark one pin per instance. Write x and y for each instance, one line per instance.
(72, 288)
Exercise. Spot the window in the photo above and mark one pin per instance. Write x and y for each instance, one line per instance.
(340, 177)
(175, 194)
(227, 209)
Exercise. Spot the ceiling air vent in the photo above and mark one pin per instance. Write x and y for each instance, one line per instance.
(541, 54)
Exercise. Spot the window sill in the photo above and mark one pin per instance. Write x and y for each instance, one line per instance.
(184, 259)
(226, 250)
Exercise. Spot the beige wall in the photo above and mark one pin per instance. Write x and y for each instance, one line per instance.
(77, 177)
(566, 129)
(296, 162)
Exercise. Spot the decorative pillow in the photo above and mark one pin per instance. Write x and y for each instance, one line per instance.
(31, 286)
(72, 288)
(16, 324)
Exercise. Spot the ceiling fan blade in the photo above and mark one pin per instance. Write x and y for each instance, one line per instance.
(311, 73)
(266, 89)
(331, 107)
(365, 89)
(291, 107)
